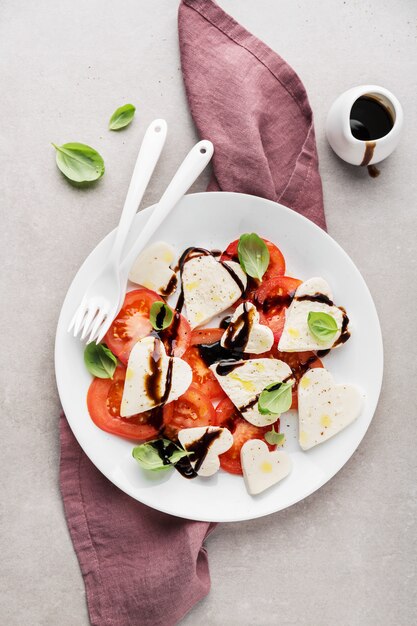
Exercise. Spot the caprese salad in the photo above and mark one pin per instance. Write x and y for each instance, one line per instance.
(209, 351)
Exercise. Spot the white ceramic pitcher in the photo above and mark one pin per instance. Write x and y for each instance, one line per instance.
(338, 131)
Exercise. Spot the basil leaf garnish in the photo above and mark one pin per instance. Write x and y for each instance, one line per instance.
(78, 162)
(275, 399)
(253, 255)
(322, 325)
(122, 117)
(148, 457)
(99, 360)
(275, 438)
(160, 315)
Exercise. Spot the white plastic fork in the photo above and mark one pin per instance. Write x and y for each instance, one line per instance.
(192, 166)
(97, 300)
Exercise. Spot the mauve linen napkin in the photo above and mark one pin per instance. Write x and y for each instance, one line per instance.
(142, 567)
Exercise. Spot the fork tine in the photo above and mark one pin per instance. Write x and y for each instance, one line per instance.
(101, 316)
(93, 310)
(77, 311)
(104, 328)
(79, 319)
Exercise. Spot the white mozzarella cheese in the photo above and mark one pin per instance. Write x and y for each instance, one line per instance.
(152, 268)
(209, 289)
(324, 408)
(214, 439)
(245, 323)
(296, 336)
(247, 380)
(146, 377)
(261, 467)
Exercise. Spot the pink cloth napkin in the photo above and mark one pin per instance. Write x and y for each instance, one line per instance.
(142, 567)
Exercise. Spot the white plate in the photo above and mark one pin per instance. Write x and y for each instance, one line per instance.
(212, 220)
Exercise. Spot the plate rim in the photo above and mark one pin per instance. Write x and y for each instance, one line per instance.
(380, 372)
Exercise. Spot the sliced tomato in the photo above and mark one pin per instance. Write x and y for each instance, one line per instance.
(228, 416)
(276, 265)
(202, 375)
(272, 298)
(103, 401)
(299, 363)
(132, 323)
(191, 409)
(206, 336)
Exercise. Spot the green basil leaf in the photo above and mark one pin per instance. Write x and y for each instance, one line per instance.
(78, 162)
(322, 325)
(148, 457)
(160, 315)
(253, 255)
(99, 360)
(122, 117)
(275, 399)
(274, 438)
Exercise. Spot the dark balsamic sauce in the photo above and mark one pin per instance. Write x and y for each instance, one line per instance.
(227, 366)
(199, 448)
(225, 321)
(171, 287)
(160, 317)
(250, 404)
(153, 379)
(275, 301)
(214, 352)
(370, 120)
(318, 297)
(344, 334)
(237, 333)
(322, 353)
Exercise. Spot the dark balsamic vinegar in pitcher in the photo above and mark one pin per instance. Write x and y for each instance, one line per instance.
(370, 120)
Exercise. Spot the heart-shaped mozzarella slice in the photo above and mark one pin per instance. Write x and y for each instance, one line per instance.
(152, 377)
(209, 288)
(324, 408)
(312, 295)
(243, 382)
(206, 443)
(244, 332)
(152, 268)
(261, 467)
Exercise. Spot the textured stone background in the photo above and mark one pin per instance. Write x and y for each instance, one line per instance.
(347, 555)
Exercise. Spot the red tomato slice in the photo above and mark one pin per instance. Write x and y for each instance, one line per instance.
(202, 375)
(228, 416)
(299, 363)
(103, 401)
(191, 409)
(276, 265)
(272, 298)
(132, 323)
(206, 336)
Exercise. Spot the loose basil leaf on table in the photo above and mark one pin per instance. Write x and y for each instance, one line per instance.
(160, 315)
(322, 325)
(275, 438)
(79, 163)
(253, 255)
(99, 360)
(275, 399)
(148, 457)
(122, 117)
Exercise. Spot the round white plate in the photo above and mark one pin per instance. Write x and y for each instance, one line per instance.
(212, 220)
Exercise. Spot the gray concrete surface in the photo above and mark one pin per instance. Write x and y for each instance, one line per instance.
(347, 555)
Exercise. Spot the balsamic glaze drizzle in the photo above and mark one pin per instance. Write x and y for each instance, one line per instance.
(237, 333)
(200, 447)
